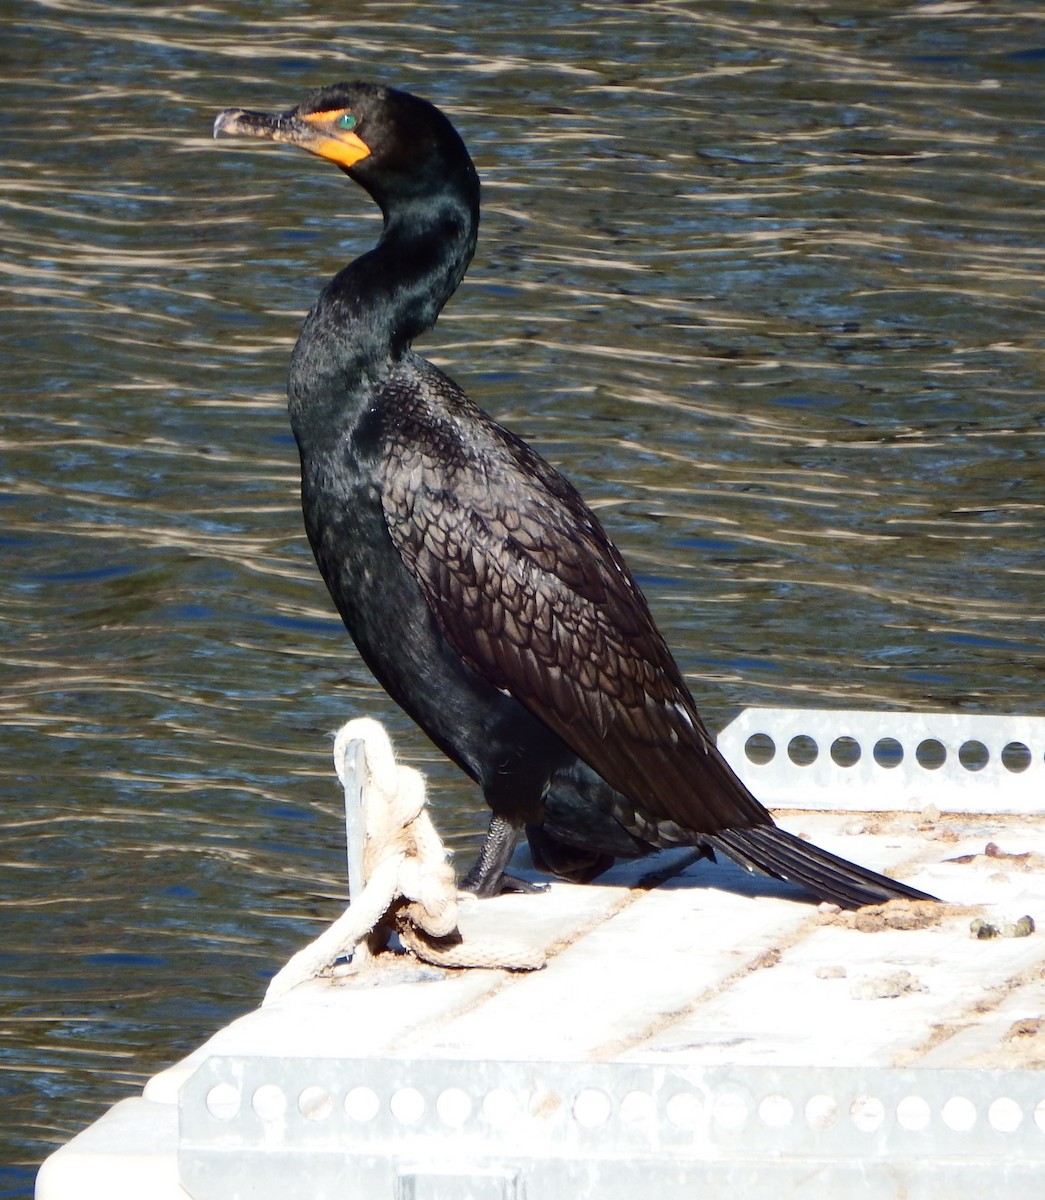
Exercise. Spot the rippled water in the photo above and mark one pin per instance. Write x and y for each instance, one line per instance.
(766, 280)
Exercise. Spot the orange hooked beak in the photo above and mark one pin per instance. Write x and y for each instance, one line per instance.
(326, 134)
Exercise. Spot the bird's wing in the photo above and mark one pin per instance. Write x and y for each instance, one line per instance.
(530, 592)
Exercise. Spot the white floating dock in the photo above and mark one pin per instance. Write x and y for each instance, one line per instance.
(695, 1027)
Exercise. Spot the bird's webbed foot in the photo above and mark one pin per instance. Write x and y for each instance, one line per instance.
(514, 883)
(487, 876)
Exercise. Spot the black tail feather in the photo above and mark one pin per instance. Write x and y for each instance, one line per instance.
(778, 853)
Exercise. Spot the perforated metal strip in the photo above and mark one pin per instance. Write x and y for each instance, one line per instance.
(824, 759)
(380, 1128)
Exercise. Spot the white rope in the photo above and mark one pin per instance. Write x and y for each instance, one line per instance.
(410, 885)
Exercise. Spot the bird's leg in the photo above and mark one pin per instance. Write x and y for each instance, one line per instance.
(487, 877)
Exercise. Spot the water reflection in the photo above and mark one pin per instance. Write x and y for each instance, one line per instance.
(766, 282)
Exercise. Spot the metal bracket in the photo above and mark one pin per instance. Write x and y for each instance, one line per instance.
(353, 774)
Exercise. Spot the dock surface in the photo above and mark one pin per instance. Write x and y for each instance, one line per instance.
(694, 1026)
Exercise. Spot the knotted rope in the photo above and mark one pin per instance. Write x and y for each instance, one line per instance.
(409, 883)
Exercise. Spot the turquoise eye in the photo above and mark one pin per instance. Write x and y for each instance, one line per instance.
(346, 121)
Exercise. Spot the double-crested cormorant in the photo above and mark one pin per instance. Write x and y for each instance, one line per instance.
(479, 588)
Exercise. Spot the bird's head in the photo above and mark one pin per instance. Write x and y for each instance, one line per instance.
(389, 141)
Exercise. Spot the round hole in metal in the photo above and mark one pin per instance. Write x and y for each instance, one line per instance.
(637, 1108)
(821, 1111)
(500, 1107)
(407, 1105)
(315, 1103)
(931, 754)
(1005, 1115)
(269, 1102)
(1015, 757)
(361, 1104)
(223, 1101)
(913, 1113)
(959, 1114)
(973, 755)
(591, 1108)
(776, 1111)
(684, 1110)
(730, 1111)
(867, 1113)
(454, 1107)
(802, 750)
(888, 752)
(760, 749)
(845, 751)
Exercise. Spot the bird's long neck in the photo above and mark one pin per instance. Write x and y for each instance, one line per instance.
(368, 314)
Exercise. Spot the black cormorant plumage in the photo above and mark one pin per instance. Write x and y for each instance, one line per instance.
(481, 591)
